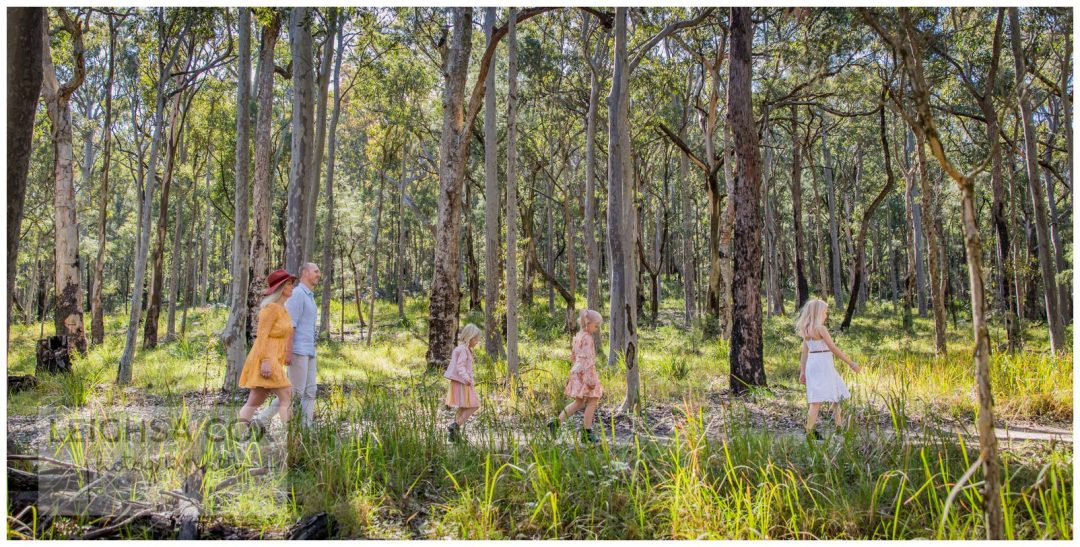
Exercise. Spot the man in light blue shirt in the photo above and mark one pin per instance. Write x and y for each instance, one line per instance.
(304, 313)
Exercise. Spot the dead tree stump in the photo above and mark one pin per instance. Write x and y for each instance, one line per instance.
(53, 355)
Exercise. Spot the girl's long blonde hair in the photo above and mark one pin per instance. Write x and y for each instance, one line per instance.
(811, 318)
(468, 332)
(588, 316)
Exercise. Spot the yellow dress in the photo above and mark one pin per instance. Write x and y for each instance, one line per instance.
(275, 328)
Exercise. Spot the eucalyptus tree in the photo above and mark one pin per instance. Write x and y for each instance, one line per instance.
(57, 96)
(233, 336)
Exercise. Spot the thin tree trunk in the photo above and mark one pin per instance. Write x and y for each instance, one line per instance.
(233, 336)
(68, 270)
(775, 296)
(492, 338)
(802, 288)
(834, 234)
(745, 356)
(97, 312)
(174, 274)
(592, 252)
(328, 229)
(376, 224)
(25, 34)
(1047, 267)
(933, 240)
(153, 307)
(511, 200)
(1064, 294)
(399, 262)
(312, 187)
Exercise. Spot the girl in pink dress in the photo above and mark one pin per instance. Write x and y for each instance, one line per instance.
(584, 383)
(461, 394)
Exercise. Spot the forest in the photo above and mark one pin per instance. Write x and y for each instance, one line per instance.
(696, 175)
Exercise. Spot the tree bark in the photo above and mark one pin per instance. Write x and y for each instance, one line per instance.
(592, 252)
(68, 269)
(492, 338)
(153, 307)
(511, 201)
(802, 288)
(312, 188)
(174, 275)
(373, 275)
(746, 358)
(1047, 267)
(933, 240)
(25, 34)
(303, 138)
(328, 229)
(261, 189)
(235, 326)
(775, 296)
(834, 234)
(97, 312)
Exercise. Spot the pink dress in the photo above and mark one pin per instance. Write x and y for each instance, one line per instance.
(583, 381)
(460, 373)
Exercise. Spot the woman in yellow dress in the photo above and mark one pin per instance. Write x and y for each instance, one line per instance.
(264, 371)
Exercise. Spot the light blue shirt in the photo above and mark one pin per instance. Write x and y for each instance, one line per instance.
(302, 312)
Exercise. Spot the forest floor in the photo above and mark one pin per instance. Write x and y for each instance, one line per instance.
(379, 465)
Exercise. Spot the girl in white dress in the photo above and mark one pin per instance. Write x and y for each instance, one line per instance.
(816, 369)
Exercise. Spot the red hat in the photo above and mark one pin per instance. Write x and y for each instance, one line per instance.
(275, 279)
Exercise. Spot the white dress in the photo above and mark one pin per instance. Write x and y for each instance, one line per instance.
(823, 383)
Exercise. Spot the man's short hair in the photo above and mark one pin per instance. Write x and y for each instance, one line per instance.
(308, 266)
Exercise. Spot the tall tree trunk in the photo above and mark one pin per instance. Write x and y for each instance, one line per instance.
(443, 307)
(311, 190)
(264, 164)
(916, 260)
(97, 312)
(621, 221)
(860, 242)
(153, 307)
(1047, 267)
(802, 288)
(1064, 294)
(834, 234)
(472, 266)
(303, 139)
(174, 275)
(511, 200)
(745, 356)
(376, 224)
(689, 274)
(25, 33)
(68, 270)
(933, 240)
(492, 338)
(592, 252)
(328, 230)
(399, 259)
(233, 336)
(775, 295)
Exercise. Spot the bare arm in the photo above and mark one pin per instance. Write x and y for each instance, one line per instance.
(803, 352)
(837, 351)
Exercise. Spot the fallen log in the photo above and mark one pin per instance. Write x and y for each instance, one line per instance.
(317, 526)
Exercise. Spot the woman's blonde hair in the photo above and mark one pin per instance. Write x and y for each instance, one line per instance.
(468, 332)
(588, 316)
(811, 318)
(274, 296)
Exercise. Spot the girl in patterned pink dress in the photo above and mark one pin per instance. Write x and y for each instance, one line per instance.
(461, 395)
(584, 383)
